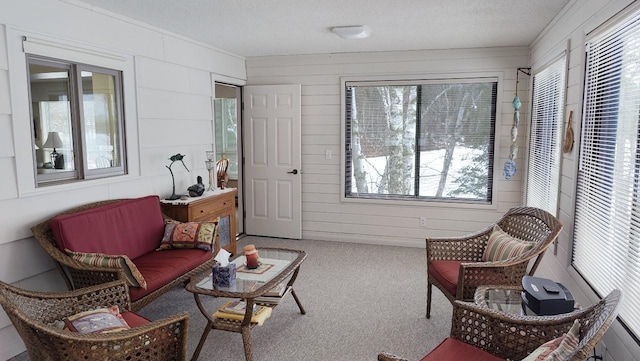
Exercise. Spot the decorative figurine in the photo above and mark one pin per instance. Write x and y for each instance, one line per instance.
(197, 189)
(173, 159)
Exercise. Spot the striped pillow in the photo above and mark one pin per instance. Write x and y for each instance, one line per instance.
(134, 277)
(501, 246)
(559, 348)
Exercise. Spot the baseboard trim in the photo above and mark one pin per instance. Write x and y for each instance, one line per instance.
(359, 239)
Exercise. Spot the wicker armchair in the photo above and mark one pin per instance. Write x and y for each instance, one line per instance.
(464, 255)
(32, 312)
(492, 335)
(221, 172)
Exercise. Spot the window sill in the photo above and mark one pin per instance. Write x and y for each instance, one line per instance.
(421, 203)
(63, 186)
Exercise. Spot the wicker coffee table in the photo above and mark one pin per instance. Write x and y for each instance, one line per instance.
(280, 266)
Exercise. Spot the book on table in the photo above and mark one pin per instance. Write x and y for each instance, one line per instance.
(276, 291)
(275, 298)
(238, 307)
(260, 313)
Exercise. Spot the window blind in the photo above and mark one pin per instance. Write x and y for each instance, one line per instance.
(606, 250)
(545, 139)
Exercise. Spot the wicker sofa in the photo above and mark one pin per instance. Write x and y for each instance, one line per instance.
(125, 227)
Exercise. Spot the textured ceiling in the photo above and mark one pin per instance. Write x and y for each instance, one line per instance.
(286, 27)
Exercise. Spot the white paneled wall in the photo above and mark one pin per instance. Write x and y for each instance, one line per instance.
(172, 113)
(324, 215)
(571, 26)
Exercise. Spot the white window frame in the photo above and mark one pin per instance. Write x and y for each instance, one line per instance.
(19, 43)
(77, 119)
(419, 79)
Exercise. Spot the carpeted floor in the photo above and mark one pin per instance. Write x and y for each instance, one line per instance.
(360, 300)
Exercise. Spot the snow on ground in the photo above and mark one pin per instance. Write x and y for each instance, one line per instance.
(431, 164)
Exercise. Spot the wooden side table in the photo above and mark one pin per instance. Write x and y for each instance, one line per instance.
(211, 205)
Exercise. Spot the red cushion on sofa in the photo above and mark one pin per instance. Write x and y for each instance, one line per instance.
(134, 319)
(452, 349)
(162, 267)
(446, 272)
(130, 227)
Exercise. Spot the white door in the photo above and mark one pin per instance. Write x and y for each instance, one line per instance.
(273, 183)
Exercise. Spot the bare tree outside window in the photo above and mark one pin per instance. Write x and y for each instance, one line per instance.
(424, 141)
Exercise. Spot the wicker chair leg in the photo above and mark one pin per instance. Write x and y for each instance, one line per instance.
(205, 334)
(246, 340)
(429, 286)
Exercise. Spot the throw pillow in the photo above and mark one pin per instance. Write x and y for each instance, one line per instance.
(200, 235)
(101, 320)
(502, 246)
(134, 277)
(559, 348)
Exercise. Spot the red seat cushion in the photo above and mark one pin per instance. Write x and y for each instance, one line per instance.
(452, 349)
(446, 273)
(133, 319)
(131, 227)
(160, 268)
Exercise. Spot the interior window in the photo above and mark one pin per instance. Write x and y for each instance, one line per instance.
(77, 121)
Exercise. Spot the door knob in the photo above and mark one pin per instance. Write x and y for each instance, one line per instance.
(295, 171)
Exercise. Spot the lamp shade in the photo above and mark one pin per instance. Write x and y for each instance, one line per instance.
(352, 32)
(53, 141)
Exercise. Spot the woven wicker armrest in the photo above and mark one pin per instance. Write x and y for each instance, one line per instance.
(502, 273)
(57, 306)
(164, 339)
(506, 335)
(466, 248)
(111, 293)
(384, 356)
(33, 314)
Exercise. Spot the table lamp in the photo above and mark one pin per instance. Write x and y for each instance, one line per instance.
(53, 141)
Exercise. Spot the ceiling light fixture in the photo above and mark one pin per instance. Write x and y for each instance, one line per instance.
(352, 32)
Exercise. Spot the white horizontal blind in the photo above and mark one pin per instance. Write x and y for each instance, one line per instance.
(606, 248)
(547, 105)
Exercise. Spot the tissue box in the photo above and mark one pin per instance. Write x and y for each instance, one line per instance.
(224, 276)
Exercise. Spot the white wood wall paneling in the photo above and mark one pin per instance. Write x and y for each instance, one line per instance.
(6, 139)
(5, 98)
(160, 75)
(198, 56)
(4, 61)
(321, 194)
(22, 213)
(317, 127)
(160, 104)
(174, 132)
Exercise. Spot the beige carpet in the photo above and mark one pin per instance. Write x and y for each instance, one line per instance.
(360, 300)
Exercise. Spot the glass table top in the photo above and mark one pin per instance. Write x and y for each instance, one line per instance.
(276, 265)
